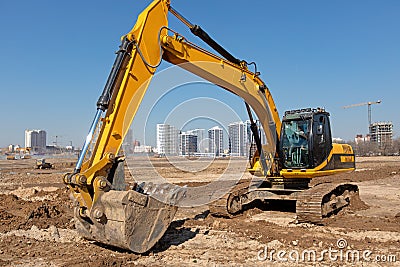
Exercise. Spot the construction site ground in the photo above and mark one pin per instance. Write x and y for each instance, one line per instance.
(37, 227)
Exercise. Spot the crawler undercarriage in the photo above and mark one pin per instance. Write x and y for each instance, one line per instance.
(312, 203)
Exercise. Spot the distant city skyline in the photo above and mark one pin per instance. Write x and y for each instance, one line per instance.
(210, 142)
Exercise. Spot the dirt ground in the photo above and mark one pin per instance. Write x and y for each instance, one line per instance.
(37, 225)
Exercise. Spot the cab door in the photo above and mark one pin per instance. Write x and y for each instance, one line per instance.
(322, 139)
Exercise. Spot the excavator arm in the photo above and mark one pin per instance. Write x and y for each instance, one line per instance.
(132, 217)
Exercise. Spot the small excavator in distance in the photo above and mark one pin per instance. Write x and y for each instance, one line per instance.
(135, 217)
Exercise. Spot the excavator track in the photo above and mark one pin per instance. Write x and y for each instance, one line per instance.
(218, 208)
(323, 200)
(229, 205)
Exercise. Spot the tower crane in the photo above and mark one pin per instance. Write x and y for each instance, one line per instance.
(370, 103)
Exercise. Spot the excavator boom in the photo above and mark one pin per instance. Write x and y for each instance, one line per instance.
(105, 210)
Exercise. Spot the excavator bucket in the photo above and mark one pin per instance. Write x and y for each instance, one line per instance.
(130, 219)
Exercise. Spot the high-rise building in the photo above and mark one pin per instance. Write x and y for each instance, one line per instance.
(202, 143)
(249, 133)
(381, 133)
(250, 142)
(167, 139)
(237, 139)
(35, 140)
(216, 141)
(187, 144)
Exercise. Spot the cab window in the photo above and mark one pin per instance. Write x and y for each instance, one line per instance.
(295, 144)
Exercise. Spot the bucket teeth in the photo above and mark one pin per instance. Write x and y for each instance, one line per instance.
(166, 193)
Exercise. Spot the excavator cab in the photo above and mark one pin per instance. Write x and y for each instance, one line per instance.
(306, 138)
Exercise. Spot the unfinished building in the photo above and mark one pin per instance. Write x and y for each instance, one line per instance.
(381, 133)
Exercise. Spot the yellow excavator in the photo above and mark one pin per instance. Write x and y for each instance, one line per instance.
(135, 217)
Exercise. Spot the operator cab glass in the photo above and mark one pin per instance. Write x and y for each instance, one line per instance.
(306, 139)
(295, 143)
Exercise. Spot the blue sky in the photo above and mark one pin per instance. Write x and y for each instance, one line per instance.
(56, 55)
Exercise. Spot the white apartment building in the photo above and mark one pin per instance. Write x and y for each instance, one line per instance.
(238, 139)
(362, 139)
(250, 142)
(202, 143)
(167, 139)
(216, 138)
(187, 144)
(35, 139)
